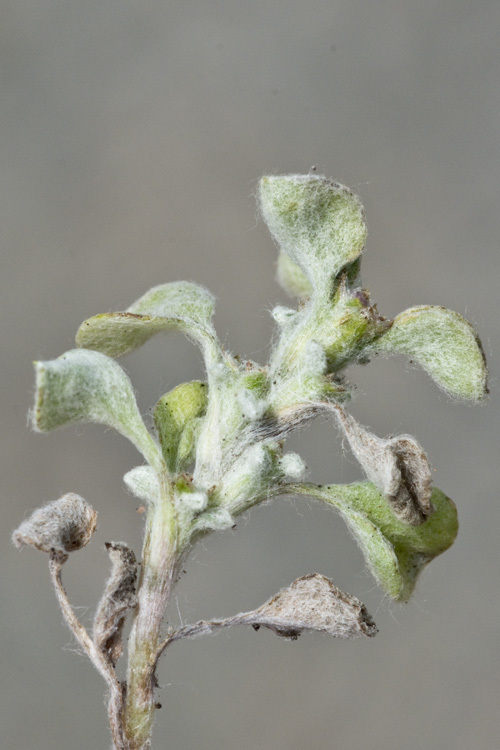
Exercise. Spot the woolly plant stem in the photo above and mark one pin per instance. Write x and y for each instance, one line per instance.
(229, 432)
(204, 627)
(160, 560)
(98, 659)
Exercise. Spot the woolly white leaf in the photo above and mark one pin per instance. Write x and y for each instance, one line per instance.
(143, 482)
(177, 299)
(215, 519)
(292, 278)
(177, 306)
(85, 386)
(444, 344)
(318, 223)
(191, 502)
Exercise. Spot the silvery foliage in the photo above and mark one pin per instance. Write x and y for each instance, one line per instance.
(219, 449)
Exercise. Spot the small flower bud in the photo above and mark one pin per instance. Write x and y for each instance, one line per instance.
(64, 525)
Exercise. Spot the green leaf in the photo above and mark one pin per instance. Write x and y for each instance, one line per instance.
(178, 299)
(444, 344)
(316, 222)
(292, 278)
(86, 386)
(178, 306)
(177, 419)
(395, 552)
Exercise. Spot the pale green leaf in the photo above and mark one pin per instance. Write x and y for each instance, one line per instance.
(444, 344)
(177, 299)
(395, 552)
(86, 386)
(318, 223)
(177, 306)
(292, 278)
(177, 420)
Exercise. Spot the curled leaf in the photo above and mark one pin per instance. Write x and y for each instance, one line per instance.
(118, 599)
(177, 306)
(63, 526)
(86, 386)
(397, 466)
(318, 223)
(395, 552)
(313, 602)
(446, 346)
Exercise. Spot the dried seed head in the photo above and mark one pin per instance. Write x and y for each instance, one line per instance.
(64, 525)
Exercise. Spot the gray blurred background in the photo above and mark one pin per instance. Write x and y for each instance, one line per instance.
(133, 135)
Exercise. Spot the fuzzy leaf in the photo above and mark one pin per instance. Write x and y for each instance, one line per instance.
(86, 386)
(178, 306)
(216, 519)
(292, 278)
(318, 223)
(312, 602)
(397, 466)
(446, 346)
(143, 482)
(176, 418)
(181, 299)
(395, 552)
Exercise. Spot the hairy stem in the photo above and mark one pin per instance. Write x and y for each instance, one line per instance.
(158, 575)
(204, 627)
